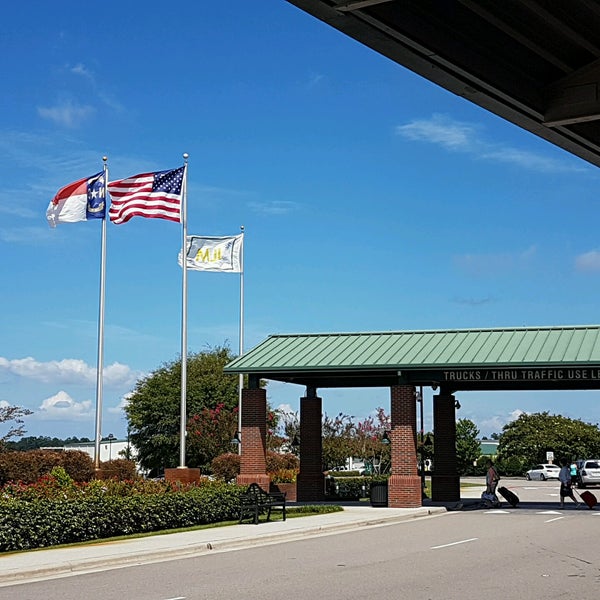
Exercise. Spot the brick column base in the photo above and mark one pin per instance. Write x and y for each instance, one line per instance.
(404, 491)
(263, 480)
(182, 474)
(404, 484)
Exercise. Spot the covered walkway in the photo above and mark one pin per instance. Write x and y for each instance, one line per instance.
(448, 361)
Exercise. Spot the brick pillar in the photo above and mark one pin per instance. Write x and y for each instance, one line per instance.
(254, 438)
(445, 482)
(404, 484)
(311, 481)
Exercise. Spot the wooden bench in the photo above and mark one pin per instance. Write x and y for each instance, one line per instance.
(255, 501)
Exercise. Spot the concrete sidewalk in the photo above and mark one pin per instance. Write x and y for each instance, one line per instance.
(77, 559)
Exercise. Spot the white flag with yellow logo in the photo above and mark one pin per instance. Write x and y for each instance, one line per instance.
(210, 253)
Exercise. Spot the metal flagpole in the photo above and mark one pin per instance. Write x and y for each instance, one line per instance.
(100, 358)
(241, 378)
(182, 426)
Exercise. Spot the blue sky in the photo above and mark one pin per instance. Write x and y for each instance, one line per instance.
(372, 200)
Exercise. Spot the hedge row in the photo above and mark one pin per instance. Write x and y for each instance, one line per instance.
(29, 466)
(351, 488)
(40, 523)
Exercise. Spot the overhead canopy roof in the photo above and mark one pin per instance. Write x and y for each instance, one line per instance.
(533, 62)
(468, 359)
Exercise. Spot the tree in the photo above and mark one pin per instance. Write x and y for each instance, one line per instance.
(43, 441)
(153, 410)
(528, 439)
(467, 445)
(210, 433)
(338, 437)
(368, 443)
(13, 416)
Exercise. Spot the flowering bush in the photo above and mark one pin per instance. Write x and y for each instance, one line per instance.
(226, 466)
(284, 476)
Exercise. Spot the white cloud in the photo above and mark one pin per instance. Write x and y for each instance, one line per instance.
(590, 261)
(122, 404)
(495, 423)
(450, 134)
(457, 136)
(67, 114)
(68, 370)
(61, 407)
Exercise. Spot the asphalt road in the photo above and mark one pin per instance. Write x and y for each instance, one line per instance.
(534, 551)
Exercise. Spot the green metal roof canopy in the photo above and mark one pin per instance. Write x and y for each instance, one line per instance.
(463, 359)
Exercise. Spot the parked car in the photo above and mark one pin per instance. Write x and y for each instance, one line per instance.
(589, 472)
(543, 472)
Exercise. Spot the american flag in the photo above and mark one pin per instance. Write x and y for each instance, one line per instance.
(152, 195)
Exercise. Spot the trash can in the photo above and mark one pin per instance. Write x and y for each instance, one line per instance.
(379, 493)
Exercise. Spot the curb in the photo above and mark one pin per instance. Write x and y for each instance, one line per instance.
(65, 568)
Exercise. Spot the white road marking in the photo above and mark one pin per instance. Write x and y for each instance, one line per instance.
(555, 519)
(178, 598)
(549, 512)
(497, 512)
(454, 544)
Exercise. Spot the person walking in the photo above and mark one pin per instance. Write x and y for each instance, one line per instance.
(491, 478)
(566, 484)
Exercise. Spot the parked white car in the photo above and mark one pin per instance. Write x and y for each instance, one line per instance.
(543, 472)
(589, 472)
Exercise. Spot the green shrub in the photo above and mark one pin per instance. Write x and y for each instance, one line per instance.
(29, 466)
(226, 466)
(106, 509)
(276, 461)
(119, 468)
(284, 476)
(349, 488)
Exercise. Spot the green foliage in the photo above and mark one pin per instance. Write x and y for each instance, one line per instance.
(467, 446)
(226, 466)
(276, 461)
(153, 410)
(511, 466)
(55, 512)
(37, 442)
(12, 416)
(28, 467)
(338, 434)
(119, 468)
(349, 488)
(210, 433)
(284, 476)
(528, 438)
(367, 444)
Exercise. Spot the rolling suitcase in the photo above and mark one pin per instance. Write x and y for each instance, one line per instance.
(588, 498)
(509, 496)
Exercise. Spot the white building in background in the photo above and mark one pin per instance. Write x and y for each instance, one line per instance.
(109, 449)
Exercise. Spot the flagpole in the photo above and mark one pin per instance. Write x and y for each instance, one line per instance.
(241, 336)
(100, 357)
(182, 426)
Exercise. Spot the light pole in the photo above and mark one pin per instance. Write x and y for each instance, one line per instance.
(419, 395)
(110, 439)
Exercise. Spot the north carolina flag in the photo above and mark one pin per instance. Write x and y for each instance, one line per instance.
(78, 201)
